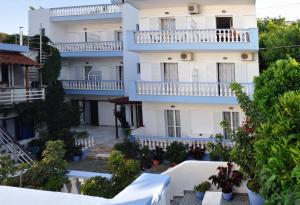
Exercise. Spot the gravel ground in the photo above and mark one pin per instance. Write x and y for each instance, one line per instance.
(89, 165)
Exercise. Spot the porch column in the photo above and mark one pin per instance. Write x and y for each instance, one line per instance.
(26, 78)
(116, 122)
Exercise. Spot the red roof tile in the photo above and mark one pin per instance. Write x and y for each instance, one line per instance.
(12, 58)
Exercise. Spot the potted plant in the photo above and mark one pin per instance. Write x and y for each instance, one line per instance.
(201, 189)
(145, 158)
(176, 153)
(157, 155)
(196, 152)
(226, 179)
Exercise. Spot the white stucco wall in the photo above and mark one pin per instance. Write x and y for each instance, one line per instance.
(196, 120)
(245, 71)
(244, 16)
(74, 69)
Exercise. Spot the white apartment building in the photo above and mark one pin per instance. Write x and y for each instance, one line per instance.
(169, 62)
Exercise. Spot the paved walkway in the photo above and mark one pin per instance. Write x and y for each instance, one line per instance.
(105, 139)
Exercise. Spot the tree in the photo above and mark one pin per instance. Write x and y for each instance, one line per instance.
(7, 170)
(277, 40)
(280, 77)
(49, 173)
(278, 152)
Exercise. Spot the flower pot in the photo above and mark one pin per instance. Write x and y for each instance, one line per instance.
(76, 158)
(200, 195)
(255, 198)
(227, 196)
(155, 162)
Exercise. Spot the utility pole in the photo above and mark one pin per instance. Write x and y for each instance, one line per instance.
(41, 50)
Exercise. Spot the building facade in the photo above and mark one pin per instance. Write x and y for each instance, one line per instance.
(169, 64)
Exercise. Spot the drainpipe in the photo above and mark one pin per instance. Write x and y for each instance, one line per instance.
(21, 36)
(116, 122)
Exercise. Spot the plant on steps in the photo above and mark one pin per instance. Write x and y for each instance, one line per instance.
(201, 189)
(226, 179)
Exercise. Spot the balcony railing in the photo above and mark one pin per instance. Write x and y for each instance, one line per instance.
(11, 96)
(90, 46)
(189, 88)
(153, 141)
(92, 85)
(86, 10)
(193, 36)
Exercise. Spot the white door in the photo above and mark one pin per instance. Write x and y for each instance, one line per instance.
(226, 75)
(172, 118)
(106, 113)
(120, 73)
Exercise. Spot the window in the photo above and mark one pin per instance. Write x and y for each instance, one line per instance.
(95, 75)
(167, 24)
(170, 72)
(119, 36)
(233, 120)
(120, 73)
(173, 125)
(196, 75)
(226, 75)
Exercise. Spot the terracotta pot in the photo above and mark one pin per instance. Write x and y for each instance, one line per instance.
(155, 162)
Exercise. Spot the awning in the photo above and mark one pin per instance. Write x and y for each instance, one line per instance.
(12, 58)
(124, 101)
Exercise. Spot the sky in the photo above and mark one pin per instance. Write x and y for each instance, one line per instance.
(13, 13)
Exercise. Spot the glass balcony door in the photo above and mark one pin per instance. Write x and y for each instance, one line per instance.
(173, 124)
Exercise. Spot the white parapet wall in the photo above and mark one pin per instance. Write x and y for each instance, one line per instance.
(190, 173)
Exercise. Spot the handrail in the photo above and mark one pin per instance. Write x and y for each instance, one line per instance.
(14, 147)
(89, 46)
(16, 95)
(93, 84)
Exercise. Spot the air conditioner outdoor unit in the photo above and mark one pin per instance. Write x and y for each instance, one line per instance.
(193, 8)
(186, 56)
(247, 57)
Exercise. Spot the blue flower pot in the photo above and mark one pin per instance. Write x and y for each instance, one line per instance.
(255, 198)
(200, 195)
(227, 197)
(76, 158)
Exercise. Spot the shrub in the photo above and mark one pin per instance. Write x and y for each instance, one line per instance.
(157, 154)
(197, 152)
(145, 158)
(218, 151)
(203, 187)
(128, 148)
(176, 152)
(98, 186)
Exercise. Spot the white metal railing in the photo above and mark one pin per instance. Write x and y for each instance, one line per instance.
(153, 141)
(90, 46)
(86, 10)
(189, 88)
(93, 85)
(193, 36)
(13, 149)
(10, 96)
(85, 143)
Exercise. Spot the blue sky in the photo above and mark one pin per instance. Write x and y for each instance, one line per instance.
(13, 13)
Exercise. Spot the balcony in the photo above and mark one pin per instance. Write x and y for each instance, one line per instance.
(91, 87)
(91, 49)
(187, 92)
(12, 95)
(194, 40)
(106, 12)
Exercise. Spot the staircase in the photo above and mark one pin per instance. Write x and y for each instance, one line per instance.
(10, 147)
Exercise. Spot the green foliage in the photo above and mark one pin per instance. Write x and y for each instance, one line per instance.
(280, 77)
(98, 186)
(278, 152)
(49, 173)
(123, 172)
(217, 151)
(227, 178)
(52, 67)
(278, 33)
(130, 149)
(7, 170)
(176, 152)
(203, 187)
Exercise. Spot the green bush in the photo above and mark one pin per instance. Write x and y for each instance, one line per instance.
(203, 187)
(217, 151)
(176, 152)
(98, 186)
(128, 149)
(123, 173)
